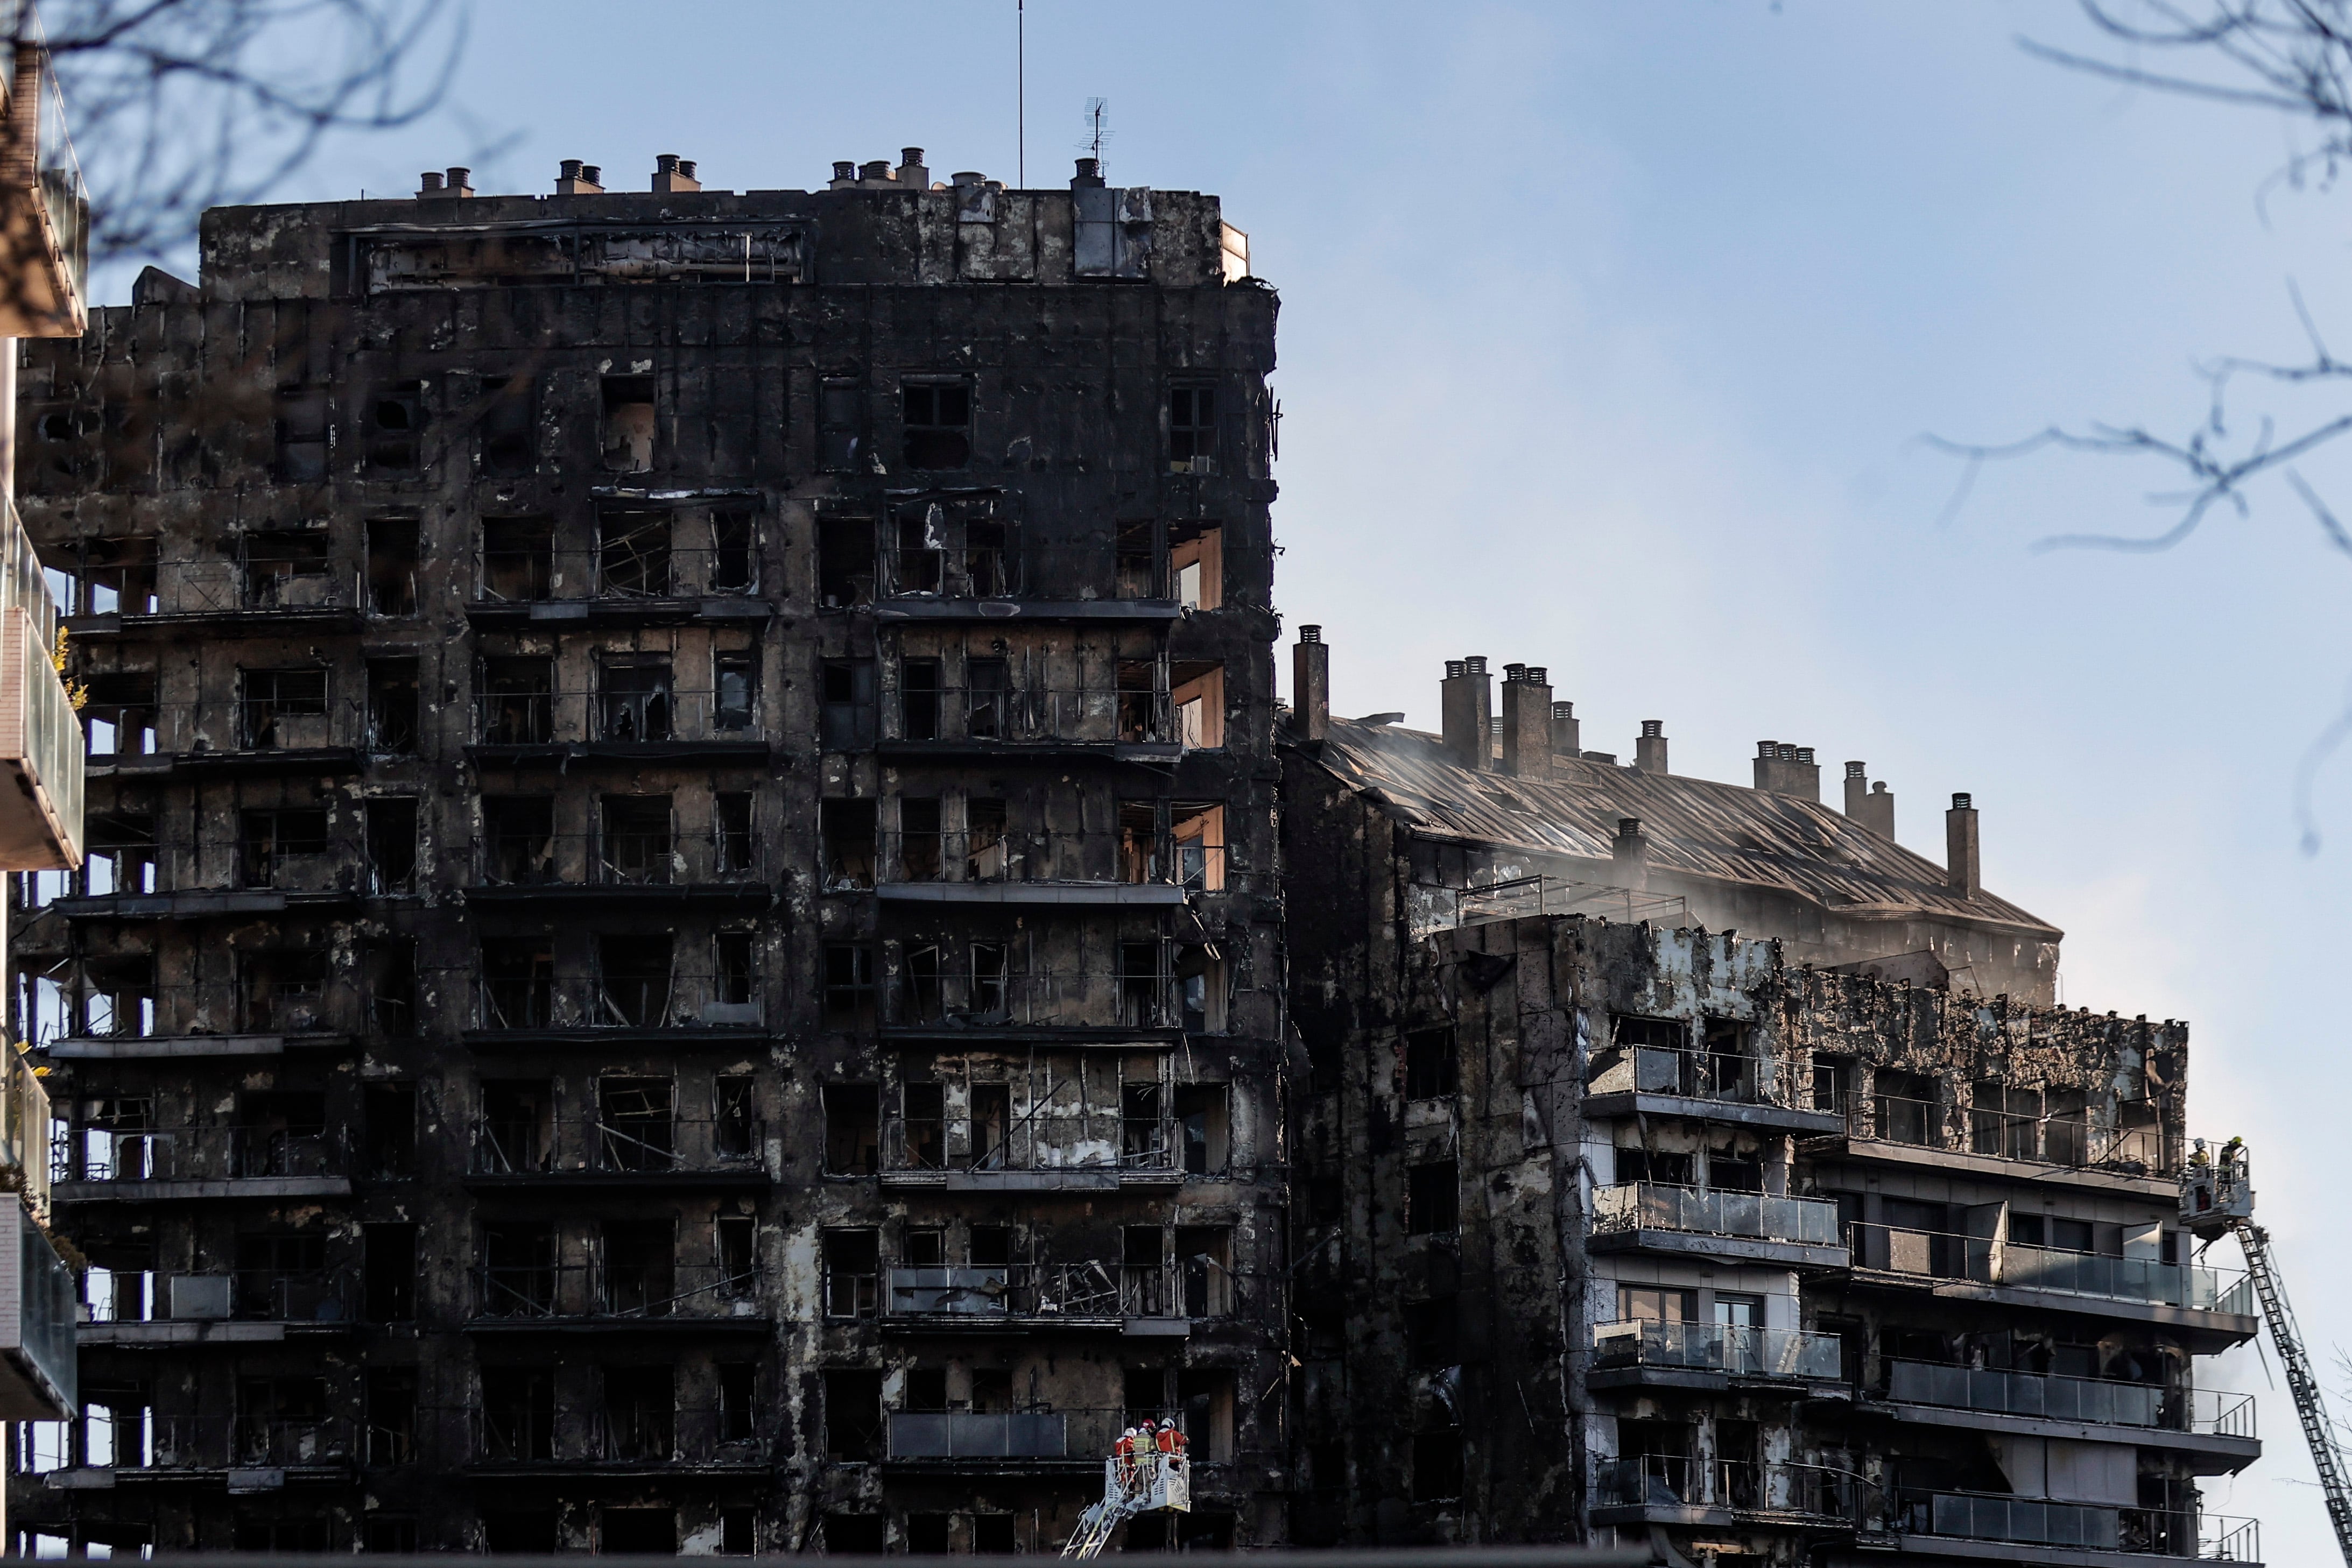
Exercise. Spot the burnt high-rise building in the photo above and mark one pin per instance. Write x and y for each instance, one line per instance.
(677, 949)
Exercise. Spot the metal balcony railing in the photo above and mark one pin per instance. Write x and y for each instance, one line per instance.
(678, 999)
(195, 1153)
(617, 1288)
(246, 1295)
(2034, 1521)
(2104, 1401)
(1031, 1000)
(650, 858)
(1001, 855)
(133, 1438)
(1668, 1480)
(1739, 1351)
(1989, 1261)
(127, 1010)
(1195, 1288)
(1732, 1075)
(615, 717)
(646, 566)
(1043, 1433)
(616, 1144)
(2067, 1139)
(1032, 1144)
(1647, 1206)
(1033, 715)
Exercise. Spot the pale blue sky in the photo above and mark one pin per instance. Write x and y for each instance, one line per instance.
(1607, 334)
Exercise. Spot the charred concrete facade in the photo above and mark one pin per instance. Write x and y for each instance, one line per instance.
(1750, 1246)
(679, 949)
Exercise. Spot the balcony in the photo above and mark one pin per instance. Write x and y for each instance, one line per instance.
(286, 586)
(644, 580)
(1141, 1300)
(245, 1306)
(654, 722)
(619, 1152)
(1019, 1442)
(2068, 1531)
(41, 741)
(101, 1164)
(628, 869)
(525, 1012)
(1733, 1087)
(121, 1446)
(2207, 1424)
(1129, 1006)
(1794, 1232)
(39, 1360)
(1089, 868)
(306, 732)
(2070, 1146)
(1126, 722)
(1667, 1488)
(2146, 1289)
(935, 571)
(1028, 1157)
(655, 1295)
(1710, 1355)
(115, 1020)
(45, 219)
(614, 1443)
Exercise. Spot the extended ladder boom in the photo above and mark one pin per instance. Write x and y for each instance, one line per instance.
(2325, 1456)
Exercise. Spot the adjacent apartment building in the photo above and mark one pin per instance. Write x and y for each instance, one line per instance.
(1689, 1163)
(678, 950)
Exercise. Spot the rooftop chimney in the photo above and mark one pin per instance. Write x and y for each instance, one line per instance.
(1869, 803)
(1629, 856)
(673, 173)
(912, 173)
(1787, 770)
(1649, 749)
(1467, 704)
(1089, 174)
(459, 181)
(575, 178)
(1311, 684)
(1964, 870)
(1527, 721)
(1565, 741)
(845, 175)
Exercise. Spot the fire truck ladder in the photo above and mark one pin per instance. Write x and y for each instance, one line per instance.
(1145, 1483)
(2326, 1457)
(2218, 1196)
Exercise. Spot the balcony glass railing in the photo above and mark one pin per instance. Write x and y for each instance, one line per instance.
(1988, 1261)
(1646, 1205)
(40, 735)
(1198, 1287)
(1720, 1347)
(2035, 1522)
(1041, 1434)
(2092, 1399)
(1729, 1075)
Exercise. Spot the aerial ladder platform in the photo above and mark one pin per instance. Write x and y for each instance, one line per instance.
(2217, 1198)
(1145, 1481)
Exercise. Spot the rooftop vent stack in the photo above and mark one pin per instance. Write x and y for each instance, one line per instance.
(877, 173)
(1311, 684)
(1089, 174)
(575, 178)
(1527, 721)
(673, 174)
(460, 181)
(1565, 740)
(1963, 859)
(1629, 856)
(1466, 708)
(913, 173)
(1787, 770)
(1857, 787)
(428, 184)
(1650, 748)
(1869, 803)
(845, 176)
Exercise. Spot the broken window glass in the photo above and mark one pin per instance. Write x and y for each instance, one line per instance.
(919, 564)
(733, 566)
(846, 722)
(395, 424)
(845, 562)
(840, 426)
(518, 982)
(1191, 430)
(392, 556)
(632, 979)
(920, 857)
(732, 675)
(518, 701)
(391, 844)
(848, 986)
(731, 832)
(986, 849)
(518, 558)
(848, 830)
(919, 699)
(287, 569)
(391, 706)
(633, 554)
(635, 701)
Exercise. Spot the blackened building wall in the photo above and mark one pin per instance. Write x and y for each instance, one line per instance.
(679, 947)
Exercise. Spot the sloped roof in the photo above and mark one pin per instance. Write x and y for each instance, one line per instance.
(1695, 827)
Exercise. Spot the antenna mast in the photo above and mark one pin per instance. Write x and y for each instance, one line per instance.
(1098, 127)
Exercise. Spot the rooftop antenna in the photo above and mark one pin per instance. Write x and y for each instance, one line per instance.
(1098, 127)
(1021, 93)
